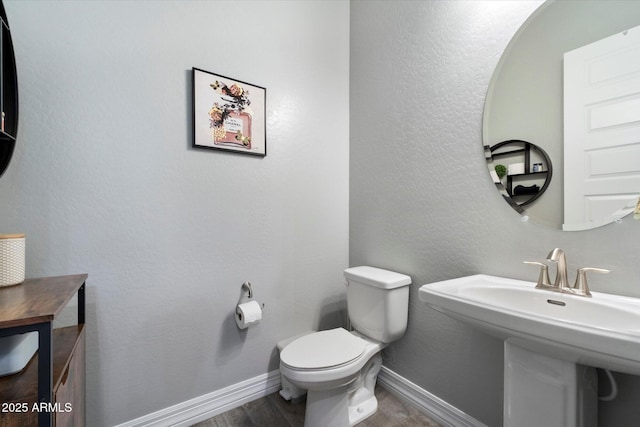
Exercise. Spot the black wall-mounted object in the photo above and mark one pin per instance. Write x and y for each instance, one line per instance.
(523, 195)
(8, 94)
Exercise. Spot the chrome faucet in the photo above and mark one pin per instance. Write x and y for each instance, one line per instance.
(561, 283)
(557, 255)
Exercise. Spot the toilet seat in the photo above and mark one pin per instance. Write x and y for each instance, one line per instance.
(323, 350)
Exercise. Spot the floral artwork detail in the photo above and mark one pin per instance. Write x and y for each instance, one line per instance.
(232, 111)
(236, 99)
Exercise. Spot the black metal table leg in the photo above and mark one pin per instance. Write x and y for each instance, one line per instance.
(45, 373)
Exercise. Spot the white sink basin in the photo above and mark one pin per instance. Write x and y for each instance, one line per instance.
(601, 331)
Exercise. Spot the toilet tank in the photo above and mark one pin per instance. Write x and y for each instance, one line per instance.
(378, 302)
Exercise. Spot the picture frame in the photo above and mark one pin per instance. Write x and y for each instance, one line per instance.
(228, 114)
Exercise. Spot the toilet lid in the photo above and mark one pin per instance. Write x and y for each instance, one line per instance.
(322, 349)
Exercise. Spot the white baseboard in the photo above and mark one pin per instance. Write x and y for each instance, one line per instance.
(211, 404)
(427, 403)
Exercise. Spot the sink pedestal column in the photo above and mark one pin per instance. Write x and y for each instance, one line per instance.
(544, 391)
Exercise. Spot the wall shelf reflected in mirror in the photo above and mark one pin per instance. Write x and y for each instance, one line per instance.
(529, 170)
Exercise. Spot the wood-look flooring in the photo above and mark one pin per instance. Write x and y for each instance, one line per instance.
(272, 410)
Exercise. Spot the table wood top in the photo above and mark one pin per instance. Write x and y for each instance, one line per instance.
(37, 300)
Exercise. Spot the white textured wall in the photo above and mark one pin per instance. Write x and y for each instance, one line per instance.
(104, 182)
(422, 202)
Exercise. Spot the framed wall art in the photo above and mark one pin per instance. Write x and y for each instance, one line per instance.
(228, 114)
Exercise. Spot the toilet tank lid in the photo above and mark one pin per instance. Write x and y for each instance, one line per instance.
(377, 277)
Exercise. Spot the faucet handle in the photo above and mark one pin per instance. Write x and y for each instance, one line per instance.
(543, 278)
(581, 286)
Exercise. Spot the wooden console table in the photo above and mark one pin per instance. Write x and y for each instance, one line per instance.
(50, 390)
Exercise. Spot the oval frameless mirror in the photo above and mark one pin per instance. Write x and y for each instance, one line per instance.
(547, 91)
(8, 94)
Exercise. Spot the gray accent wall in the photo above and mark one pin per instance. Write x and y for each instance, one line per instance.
(422, 202)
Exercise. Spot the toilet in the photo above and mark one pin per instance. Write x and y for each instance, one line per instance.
(338, 368)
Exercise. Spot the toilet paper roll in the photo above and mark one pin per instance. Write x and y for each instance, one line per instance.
(248, 314)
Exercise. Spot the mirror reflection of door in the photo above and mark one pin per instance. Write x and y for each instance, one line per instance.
(602, 130)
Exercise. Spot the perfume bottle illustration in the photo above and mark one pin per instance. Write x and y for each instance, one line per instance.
(230, 117)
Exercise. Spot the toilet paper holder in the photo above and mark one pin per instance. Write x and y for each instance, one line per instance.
(248, 311)
(246, 294)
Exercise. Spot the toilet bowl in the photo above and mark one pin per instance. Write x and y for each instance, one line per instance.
(339, 368)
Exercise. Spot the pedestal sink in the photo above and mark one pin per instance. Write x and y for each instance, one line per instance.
(552, 341)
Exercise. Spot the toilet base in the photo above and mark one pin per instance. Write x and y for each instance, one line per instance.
(291, 392)
(347, 405)
(362, 398)
(327, 408)
(363, 411)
